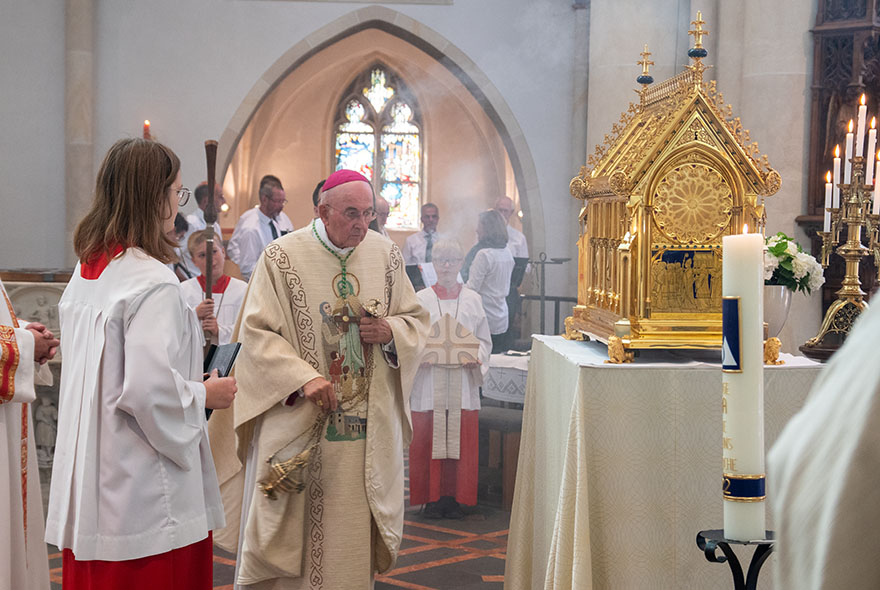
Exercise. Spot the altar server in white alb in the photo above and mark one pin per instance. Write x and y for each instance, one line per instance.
(822, 474)
(444, 454)
(259, 226)
(24, 350)
(134, 493)
(218, 314)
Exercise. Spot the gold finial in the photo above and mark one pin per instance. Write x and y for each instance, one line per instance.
(698, 31)
(645, 62)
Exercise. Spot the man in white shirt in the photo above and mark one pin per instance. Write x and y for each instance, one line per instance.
(417, 248)
(382, 210)
(197, 222)
(516, 241)
(259, 226)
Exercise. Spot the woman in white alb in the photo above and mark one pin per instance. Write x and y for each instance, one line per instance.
(134, 494)
(218, 314)
(445, 401)
(489, 273)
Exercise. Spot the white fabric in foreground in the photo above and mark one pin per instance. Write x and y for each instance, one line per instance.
(823, 476)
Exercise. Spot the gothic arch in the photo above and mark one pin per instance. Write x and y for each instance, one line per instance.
(446, 54)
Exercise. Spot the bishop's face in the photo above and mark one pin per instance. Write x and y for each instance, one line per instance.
(346, 212)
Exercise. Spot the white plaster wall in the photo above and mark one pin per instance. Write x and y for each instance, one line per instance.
(162, 61)
(31, 134)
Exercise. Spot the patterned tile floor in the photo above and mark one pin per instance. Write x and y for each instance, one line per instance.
(435, 554)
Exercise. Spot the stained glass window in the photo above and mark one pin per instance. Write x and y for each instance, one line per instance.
(383, 134)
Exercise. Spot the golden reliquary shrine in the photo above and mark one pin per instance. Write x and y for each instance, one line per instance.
(676, 174)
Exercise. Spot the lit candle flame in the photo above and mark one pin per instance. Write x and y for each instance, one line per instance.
(873, 122)
(837, 151)
(147, 122)
(828, 175)
(745, 228)
(850, 126)
(224, 207)
(862, 100)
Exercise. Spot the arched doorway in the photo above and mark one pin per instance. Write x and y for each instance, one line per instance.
(474, 146)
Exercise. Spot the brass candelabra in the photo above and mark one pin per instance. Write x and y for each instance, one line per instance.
(853, 212)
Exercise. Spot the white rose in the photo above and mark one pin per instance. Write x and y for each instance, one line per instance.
(791, 248)
(801, 264)
(770, 264)
(817, 278)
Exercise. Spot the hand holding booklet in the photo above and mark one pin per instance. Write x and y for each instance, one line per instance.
(221, 358)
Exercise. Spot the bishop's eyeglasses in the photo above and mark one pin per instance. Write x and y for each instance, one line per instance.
(353, 214)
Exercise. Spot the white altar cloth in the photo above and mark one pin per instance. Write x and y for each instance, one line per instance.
(506, 379)
(620, 467)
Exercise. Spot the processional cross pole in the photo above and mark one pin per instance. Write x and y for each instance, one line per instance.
(210, 216)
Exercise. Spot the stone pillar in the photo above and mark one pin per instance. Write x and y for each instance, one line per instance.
(777, 50)
(79, 109)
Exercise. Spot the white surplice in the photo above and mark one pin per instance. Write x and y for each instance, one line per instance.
(468, 311)
(490, 277)
(252, 233)
(24, 562)
(822, 474)
(229, 303)
(133, 474)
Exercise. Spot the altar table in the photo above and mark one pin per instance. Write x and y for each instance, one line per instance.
(620, 466)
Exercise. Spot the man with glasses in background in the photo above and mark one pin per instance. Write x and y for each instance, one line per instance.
(259, 226)
(310, 457)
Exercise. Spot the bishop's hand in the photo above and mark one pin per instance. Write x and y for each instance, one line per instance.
(375, 330)
(320, 392)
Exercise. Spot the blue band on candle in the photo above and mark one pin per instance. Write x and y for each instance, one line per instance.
(743, 488)
(731, 348)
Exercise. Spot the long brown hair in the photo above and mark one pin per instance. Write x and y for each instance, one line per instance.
(130, 202)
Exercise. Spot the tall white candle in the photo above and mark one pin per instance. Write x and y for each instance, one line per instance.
(835, 199)
(875, 206)
(826, 225)
(872, 145)
(847, 156)
(742, 384)
(860, 136)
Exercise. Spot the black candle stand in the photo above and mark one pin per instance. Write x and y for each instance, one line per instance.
(710, 541)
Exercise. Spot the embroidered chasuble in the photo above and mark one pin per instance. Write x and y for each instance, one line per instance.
(24, 563)
(298, 322)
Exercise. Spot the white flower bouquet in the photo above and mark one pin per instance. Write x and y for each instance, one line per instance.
(786, 263)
